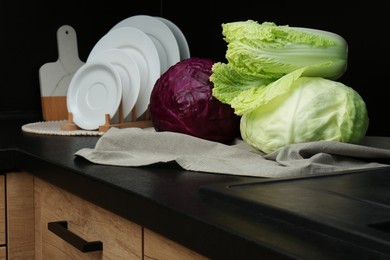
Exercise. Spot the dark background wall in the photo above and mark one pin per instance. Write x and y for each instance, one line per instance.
(29, 28)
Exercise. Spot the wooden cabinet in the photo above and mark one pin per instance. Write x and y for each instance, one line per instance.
(120, 238)
(20, 215)
(29, 205)
(3, 245)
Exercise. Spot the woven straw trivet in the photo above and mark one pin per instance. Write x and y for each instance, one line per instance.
(54, 128)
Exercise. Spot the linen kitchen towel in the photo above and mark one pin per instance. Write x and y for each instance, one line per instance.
(139, 147)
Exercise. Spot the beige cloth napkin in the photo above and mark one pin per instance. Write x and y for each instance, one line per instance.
(139, 147)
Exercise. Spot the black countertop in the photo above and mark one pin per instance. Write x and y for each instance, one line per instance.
(171, 201)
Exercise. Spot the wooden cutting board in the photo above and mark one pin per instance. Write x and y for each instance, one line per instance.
(54, 77)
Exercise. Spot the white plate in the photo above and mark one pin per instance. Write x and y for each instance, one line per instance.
(180, 38)
(141, 48)
(130, 77)
(162, 37)
(94, 91)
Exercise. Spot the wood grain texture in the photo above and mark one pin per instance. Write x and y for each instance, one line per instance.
(159, 247)
(20, 215)
(54, 108)
(121, 238)
(3, 253)
(2, 211)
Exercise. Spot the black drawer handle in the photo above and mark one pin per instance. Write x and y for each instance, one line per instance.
(60, 228)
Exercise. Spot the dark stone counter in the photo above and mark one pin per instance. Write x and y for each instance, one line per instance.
(168, 200)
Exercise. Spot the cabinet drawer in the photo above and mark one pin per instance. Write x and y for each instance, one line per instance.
(3, 253)
(159, 247)
(121, 238)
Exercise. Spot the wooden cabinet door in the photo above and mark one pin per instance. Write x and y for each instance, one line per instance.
(159, 247)
(121, 239)
(3, 253)
(20, 215)
(2, 211)
(3, 247)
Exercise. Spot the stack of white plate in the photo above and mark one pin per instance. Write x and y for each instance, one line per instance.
(122, 68)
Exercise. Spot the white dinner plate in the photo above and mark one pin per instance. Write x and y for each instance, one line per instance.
(161, 35)
(181, 40)
(94, 91)
(141, 48)
(130, 77)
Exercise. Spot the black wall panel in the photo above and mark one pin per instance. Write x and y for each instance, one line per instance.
(29, 38)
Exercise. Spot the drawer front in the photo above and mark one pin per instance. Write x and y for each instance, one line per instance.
(121, 239)
(3, 253)
(159, 247)
(20, 215)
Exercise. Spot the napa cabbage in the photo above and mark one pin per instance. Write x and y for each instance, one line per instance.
(258, 54)
(281, 80)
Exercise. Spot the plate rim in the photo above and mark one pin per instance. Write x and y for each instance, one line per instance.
(126, 35)
(152, 26)
(181, 39)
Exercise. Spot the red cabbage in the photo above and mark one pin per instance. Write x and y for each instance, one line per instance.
(182, 101)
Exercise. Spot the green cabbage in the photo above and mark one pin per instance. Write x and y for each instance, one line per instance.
(298, 109)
